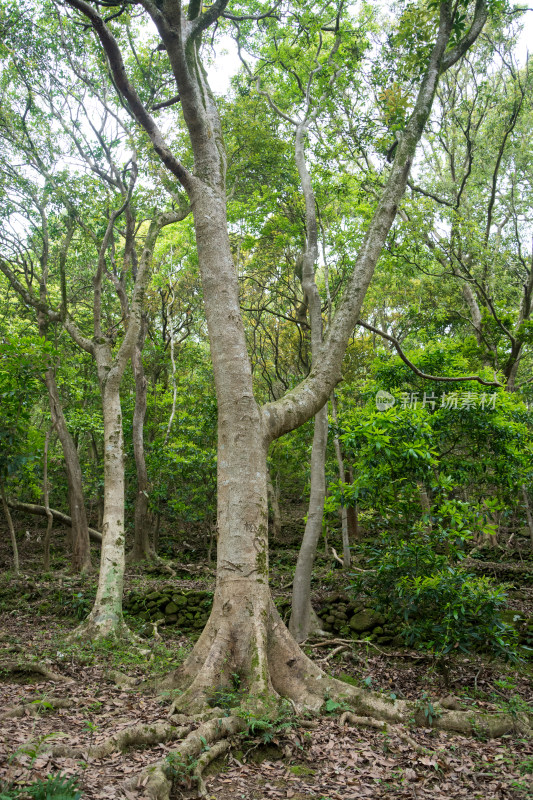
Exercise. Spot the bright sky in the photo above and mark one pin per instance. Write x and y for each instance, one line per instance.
(227, 64)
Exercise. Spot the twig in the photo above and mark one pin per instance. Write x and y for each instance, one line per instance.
(334, 652)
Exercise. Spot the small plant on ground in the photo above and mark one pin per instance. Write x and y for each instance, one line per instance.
(55, 787)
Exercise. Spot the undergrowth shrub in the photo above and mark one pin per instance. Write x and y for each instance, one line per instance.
(55, 787)
(438, 605)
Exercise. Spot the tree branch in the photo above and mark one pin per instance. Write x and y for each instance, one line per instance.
(480, 17)
(123, 85)
(442, 378)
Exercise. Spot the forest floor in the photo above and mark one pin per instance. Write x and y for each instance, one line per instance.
(313, 758)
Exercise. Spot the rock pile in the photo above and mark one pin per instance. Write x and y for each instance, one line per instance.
(188, 610)
(342, 615)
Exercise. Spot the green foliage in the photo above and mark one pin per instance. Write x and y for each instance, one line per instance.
(20, 361)
(180, 769)
(271, 719)
(77, 604)
(333, 706)
(55, 787)
(425, 705)
(441, 607)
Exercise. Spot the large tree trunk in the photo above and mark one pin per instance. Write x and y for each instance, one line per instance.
(235, 639)
(81, 548)
(141, 544)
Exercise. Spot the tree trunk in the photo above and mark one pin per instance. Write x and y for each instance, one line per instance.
(11, 529)
(346, 558)
(235, 640)
(80, 560)
(49, 516)
(106, 614)
(155, 536)
(303, 620)
(141, 543)
(273, 499)
(529, 516)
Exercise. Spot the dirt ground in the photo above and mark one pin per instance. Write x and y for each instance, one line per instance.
(321, 760)
(312, 758)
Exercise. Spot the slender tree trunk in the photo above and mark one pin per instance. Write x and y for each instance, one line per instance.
(303, 619)
(46, 501)
(106, 615)
(11, 527)
(529, 515)
(346, 557)
(80, 560)
(353, 518)
(141, 543)
(273, 498)
(353, 523)
(155, 536)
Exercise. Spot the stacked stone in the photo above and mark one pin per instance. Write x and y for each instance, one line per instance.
(188, 610)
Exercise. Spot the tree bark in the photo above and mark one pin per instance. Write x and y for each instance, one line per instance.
(273, 498)
(11, 529)
(49, 516)
(303, 619)
(141, 544)
(529, 515)
(81, 548)
(106, 614)
(346, 557)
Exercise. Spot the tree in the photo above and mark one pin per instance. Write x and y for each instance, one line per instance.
(96, 219)
(243, 614)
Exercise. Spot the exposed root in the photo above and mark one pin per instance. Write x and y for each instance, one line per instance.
(218, 749)
(157, 779)
(31, 668)
(35, 708)
(275, 666)
(361, 722)
(471, 723)
(328, 643)
(109, 628)
(123, 681)
(134, 736)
